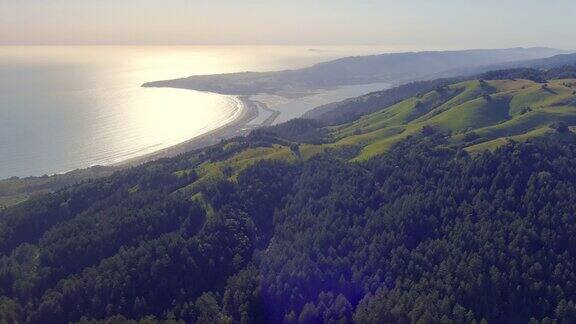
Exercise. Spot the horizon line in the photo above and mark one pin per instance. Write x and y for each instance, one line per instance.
(422, 49)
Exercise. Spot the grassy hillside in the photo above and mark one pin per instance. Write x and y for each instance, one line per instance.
(473, 112)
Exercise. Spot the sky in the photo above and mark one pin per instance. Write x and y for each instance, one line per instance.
(449, 24)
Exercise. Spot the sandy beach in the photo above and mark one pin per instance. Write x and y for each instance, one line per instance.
(239, 126)
(16, 190)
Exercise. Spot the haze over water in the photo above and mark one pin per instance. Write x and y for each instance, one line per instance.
(63, 108)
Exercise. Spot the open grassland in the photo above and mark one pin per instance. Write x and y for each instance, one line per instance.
(494, 144)
(492, 112)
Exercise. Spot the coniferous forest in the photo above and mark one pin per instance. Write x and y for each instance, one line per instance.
(424, 233)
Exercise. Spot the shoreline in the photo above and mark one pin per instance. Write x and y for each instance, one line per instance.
(15, 190)
(239, 126)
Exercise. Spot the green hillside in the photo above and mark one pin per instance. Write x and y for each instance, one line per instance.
(473, 112)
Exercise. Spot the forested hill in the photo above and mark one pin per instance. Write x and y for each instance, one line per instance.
(453, 206)
(556, 61)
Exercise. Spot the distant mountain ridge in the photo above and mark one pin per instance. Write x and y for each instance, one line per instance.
(393, 67)
(555, 61)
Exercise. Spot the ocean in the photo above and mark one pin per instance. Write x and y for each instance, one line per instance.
(69, 107)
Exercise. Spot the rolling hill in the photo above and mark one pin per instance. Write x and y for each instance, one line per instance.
(479, 114)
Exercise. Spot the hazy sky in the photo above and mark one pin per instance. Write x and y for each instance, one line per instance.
(426, 23)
